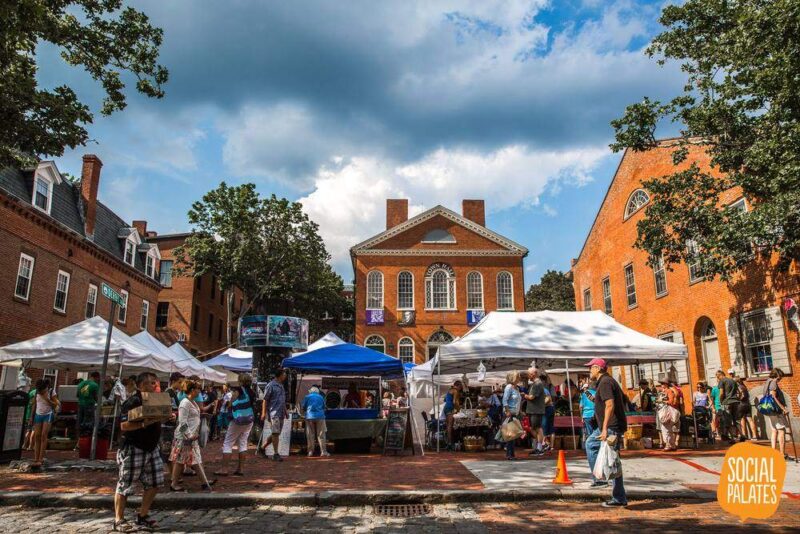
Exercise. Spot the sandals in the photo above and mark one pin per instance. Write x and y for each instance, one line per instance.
(146, 521)
(122, 526)
(176, 490)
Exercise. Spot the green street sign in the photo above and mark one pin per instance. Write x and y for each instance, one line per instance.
(112, 295)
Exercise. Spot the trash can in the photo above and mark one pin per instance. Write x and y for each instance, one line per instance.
(12, 424)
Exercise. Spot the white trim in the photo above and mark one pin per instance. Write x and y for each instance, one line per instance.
(497, 282)
(413, 349)
(132, 244)
(145, 314)
(627, 215)
(438, 252)
(383, 290)
(150, 257)
(663, 269)
(450, 278)
(413, 292)
(120, 318)
(587, 292)
(66, 291)
(50, 185)
(94, 302)
(483, 299)
(379, 337)
(625, 279)
(22, 256)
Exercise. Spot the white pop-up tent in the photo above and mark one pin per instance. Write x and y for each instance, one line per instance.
(186, 364)
(80, 347)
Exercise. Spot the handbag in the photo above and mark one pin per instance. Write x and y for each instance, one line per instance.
(511, 429)
(767, 405)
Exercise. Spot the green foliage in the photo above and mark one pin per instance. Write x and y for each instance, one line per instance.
(104, 38)
(742, 101)
(553, 292)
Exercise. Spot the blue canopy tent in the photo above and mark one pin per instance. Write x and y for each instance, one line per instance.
(346, 359)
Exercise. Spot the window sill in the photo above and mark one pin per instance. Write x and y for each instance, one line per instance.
(406, 309)
(662, 295)
(59, 312)
(633, 306)
(696, 281)
(441, 309)
(21, 300)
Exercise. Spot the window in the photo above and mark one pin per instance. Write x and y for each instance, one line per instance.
(635, 202)
(198, 283)
(439, 235)
(660, 274)
(405, 291)
(122, 313)
(757, 338)
(405, 350)
(607, 296)
(130, 250)
(162, 314)
(43, 194)
(436, 340)
(587, 299)
(375, 342)
(213, 287)
(474, 291)
(505, 291)
(24, 276)
(210, 325)
(695, 261)
(166, 273)
(196, 318)
(62, 291)
(145, 315)
(219, 330)
(630, 285)
(51, 374)
(375, 290)
(150, 265)
(91, 301)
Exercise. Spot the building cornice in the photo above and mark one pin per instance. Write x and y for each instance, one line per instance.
(435, 252)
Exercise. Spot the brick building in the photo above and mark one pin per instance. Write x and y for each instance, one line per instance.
(427, 280)
(193, 311)
(739, 325)
(58, 244)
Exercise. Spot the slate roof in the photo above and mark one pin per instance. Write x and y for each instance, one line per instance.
(66, 209)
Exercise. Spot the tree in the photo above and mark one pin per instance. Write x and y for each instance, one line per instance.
(741, 101)
(553, 292)
(266, 247)
(101, 36)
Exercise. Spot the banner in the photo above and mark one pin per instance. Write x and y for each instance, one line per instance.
(273, 331)
(475, 316)
(374, 317)
(253, 331)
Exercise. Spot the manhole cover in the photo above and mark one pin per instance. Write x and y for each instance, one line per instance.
(402, 510)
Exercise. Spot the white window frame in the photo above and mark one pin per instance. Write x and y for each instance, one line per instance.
(145, 315)
(66, 276)
(50, 184)
(130, 245)
(659, 269)
(406, 342)
(162, 272)
(749, 344)
(608, 305)
(450, 287)
(471, 293)
(52, 374)
(92, 290)
(23, 256)
(630, 285)
(374, 295)
(370, 345)
(629, 212)
(150, 265)
(696, 266)
(405, 308)
(587, 299)
(122, 311)
(511, 289)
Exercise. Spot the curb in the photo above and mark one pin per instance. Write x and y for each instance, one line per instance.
(335, 498)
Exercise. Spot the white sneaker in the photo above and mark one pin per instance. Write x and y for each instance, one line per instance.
(310, 454)
(325, 454)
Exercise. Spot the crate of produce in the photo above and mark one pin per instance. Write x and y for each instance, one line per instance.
(474, 444)
(633, 444)
(634, 432)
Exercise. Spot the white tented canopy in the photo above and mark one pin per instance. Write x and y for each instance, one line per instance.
(80, 347)
(506, 341)
(184, 363)
(328, 340)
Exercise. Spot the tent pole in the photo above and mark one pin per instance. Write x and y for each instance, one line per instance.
(436, 411)
(691, 399)
(569, 399)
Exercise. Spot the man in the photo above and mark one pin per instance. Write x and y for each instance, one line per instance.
(87, 400)
(273, 409)
(313, 407)
(729, 400)
(609, 412)
(138, 459)
(173, 388)
(534, 409)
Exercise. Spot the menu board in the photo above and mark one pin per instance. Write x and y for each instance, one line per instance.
(12, 440)
(396, 424)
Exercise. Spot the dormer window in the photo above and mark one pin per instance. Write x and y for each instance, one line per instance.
(152, 255)
(150, 266)
(130, 249)
(132, 240)
(44, 178)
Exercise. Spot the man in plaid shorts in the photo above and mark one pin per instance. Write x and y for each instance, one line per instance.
(138, 459)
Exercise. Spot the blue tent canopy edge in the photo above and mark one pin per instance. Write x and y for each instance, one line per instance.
(346, 359)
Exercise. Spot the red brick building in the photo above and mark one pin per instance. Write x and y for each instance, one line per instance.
(740, 325)
(192, 311)
(58, 244)
(427, 280)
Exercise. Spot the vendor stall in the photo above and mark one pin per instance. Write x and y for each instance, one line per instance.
(186, 364)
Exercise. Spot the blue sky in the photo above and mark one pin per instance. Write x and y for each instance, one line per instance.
(343, 104)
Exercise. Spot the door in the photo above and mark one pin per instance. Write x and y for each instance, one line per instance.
(711, 359)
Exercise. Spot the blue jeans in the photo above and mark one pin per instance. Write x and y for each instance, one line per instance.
(592, 449)
(510, 448)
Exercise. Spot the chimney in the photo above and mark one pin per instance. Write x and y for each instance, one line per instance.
(141, 227)
(90, 181)
(152, 233)
(474, 211)
(396, 211)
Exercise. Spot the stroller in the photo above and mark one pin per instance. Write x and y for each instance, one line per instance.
(704, 431)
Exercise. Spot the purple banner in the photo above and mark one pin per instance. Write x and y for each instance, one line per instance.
(374, 317)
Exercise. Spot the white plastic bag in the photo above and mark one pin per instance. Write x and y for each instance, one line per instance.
(608, 464)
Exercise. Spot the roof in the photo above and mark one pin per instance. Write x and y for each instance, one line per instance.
(511, 247)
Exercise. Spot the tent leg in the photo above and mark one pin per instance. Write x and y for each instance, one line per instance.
(691, 398)
(569, 399)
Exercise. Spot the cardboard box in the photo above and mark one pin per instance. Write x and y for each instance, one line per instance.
(154, 406)
(633, 444)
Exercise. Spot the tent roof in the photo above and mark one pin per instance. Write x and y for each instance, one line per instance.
(183, 362)
(509, 340)
(236, 360)
(345, 359)
(328, 340)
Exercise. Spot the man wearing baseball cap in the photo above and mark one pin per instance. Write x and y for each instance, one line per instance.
(609, 412)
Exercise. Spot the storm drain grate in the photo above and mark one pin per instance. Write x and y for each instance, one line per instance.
(402, 510)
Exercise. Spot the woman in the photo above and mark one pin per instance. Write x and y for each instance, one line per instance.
(452, 403)
(185, 445)
(778, 421)
(701, 401)
(668, 416)
(511, 404)
(242, 398)
(28, 443)
(313, 407)
(548, 421)
(587, 410)
(46, 403)
(745, 414)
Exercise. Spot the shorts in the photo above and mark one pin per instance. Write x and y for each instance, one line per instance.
(276, 424)
(778, 421)
(733, 410)
(136, 464)
(536, 420)
(43, 418)
(745, 410)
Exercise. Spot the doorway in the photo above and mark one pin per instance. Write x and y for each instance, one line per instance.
(711, 361)
(437, 339)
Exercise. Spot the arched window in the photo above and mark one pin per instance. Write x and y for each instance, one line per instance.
(437, 339)
(440, 287)
(375, 342)
(439, 235)
(474, 291)
(635, 202)
(405, 291)
(505, 291)
(375, 290)
(405, 350)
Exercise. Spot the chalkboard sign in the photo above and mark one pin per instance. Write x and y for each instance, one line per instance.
(396, 425)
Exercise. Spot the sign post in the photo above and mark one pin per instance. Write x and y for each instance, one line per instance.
(116, 300)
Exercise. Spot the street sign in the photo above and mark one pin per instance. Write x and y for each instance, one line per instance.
(113, 296)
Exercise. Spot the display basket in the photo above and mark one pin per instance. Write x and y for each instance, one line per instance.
(474, 444)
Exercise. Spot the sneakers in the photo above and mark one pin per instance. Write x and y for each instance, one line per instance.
(536, 452)
(310, 454)
(277, 457)
(325, 454)
(614, 504)
(598, 484)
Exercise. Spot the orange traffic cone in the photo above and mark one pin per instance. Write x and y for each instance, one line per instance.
(561, 470)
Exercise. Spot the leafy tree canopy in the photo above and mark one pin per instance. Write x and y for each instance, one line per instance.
(742, 101)
(104, 38)
(553, 292)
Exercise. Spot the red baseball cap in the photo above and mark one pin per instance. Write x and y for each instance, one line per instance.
(599, 362)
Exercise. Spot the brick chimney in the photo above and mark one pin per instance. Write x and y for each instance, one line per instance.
(141, 227)
(396, 211)
(474, 211)
(90, 181)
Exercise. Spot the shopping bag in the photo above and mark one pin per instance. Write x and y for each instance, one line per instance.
(511, 429)
(285, 440)
(608, 464)
(668, 415)
(767, 405)
(203, 432)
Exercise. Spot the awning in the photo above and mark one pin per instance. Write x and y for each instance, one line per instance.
(346, 359)
(184, 362)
